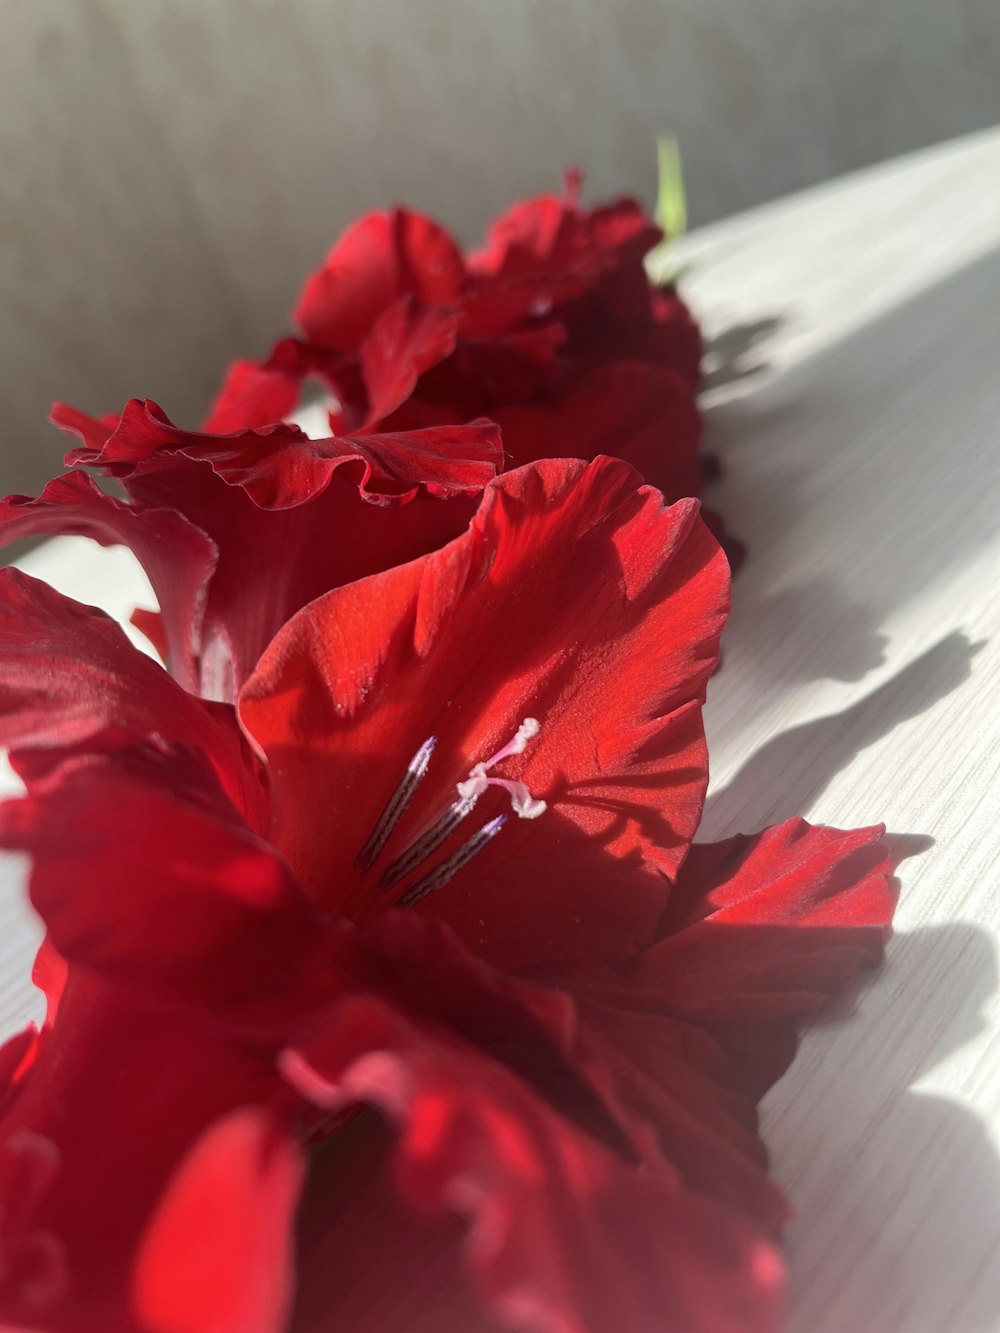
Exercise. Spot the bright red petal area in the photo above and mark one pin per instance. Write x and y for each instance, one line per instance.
(563, 1236)
(151, 625)
(378, 260)
(120, 1089)
(178, 556)
(217, 1256)
(760, 930)
(629, 410)
(576, 598)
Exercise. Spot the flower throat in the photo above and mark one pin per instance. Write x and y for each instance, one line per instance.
(480, 778)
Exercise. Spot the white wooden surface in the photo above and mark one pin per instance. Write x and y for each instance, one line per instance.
(856, 409)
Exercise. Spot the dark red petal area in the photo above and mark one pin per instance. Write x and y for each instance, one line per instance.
(761, 929)
(757, 933)
(366, 1262)
(379, 259)
(563, 1237)
(178, 557)
(675, 1079)
(636, 412)
(218, 1255)
(404, 341)
(576, 598)
(675, 339)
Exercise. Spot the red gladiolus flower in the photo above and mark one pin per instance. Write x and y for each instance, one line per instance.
(551, 327)
(236, 532)
(418, 923)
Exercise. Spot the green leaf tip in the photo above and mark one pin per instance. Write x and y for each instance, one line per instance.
(671, 204)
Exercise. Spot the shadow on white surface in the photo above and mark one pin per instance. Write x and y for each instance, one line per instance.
(860, 478)
(788, 773)
(932, 1202)
(865, 483)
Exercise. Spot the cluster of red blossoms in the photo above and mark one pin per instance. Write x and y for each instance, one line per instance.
(387, 990)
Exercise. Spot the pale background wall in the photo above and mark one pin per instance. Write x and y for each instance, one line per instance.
(171, 168)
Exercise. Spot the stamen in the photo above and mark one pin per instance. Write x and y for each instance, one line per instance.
(396, 806)
(523, 803)
(428, 842)
(448, 869)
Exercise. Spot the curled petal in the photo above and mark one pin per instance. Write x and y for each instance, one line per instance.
(762, 929)
(177, 555)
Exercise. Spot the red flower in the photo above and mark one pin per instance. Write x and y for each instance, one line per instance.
(554, 315)
(236, 532)
(564, 1021)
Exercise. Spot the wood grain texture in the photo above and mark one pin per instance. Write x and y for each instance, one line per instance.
(860, 441)
(855, 407)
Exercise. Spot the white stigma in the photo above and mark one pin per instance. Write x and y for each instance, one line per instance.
(522, 802)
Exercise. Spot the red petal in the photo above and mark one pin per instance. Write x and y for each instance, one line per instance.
(562, 1235)
(256, 394)
(145, 873)
(17, 1054)
(636, 412)
(253, 395)
(760, 930)
(675, 340)
(94, 432)
(575, 598)
(404, 341)
(378, 260)
(139, 793)
(178, 556)
(280, 466)
(366, 1262)
(443, 461)
(69, 676)
(152, 625)
(217, 1256)
(214, 481)
(675, 1079)
(120, 1089)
